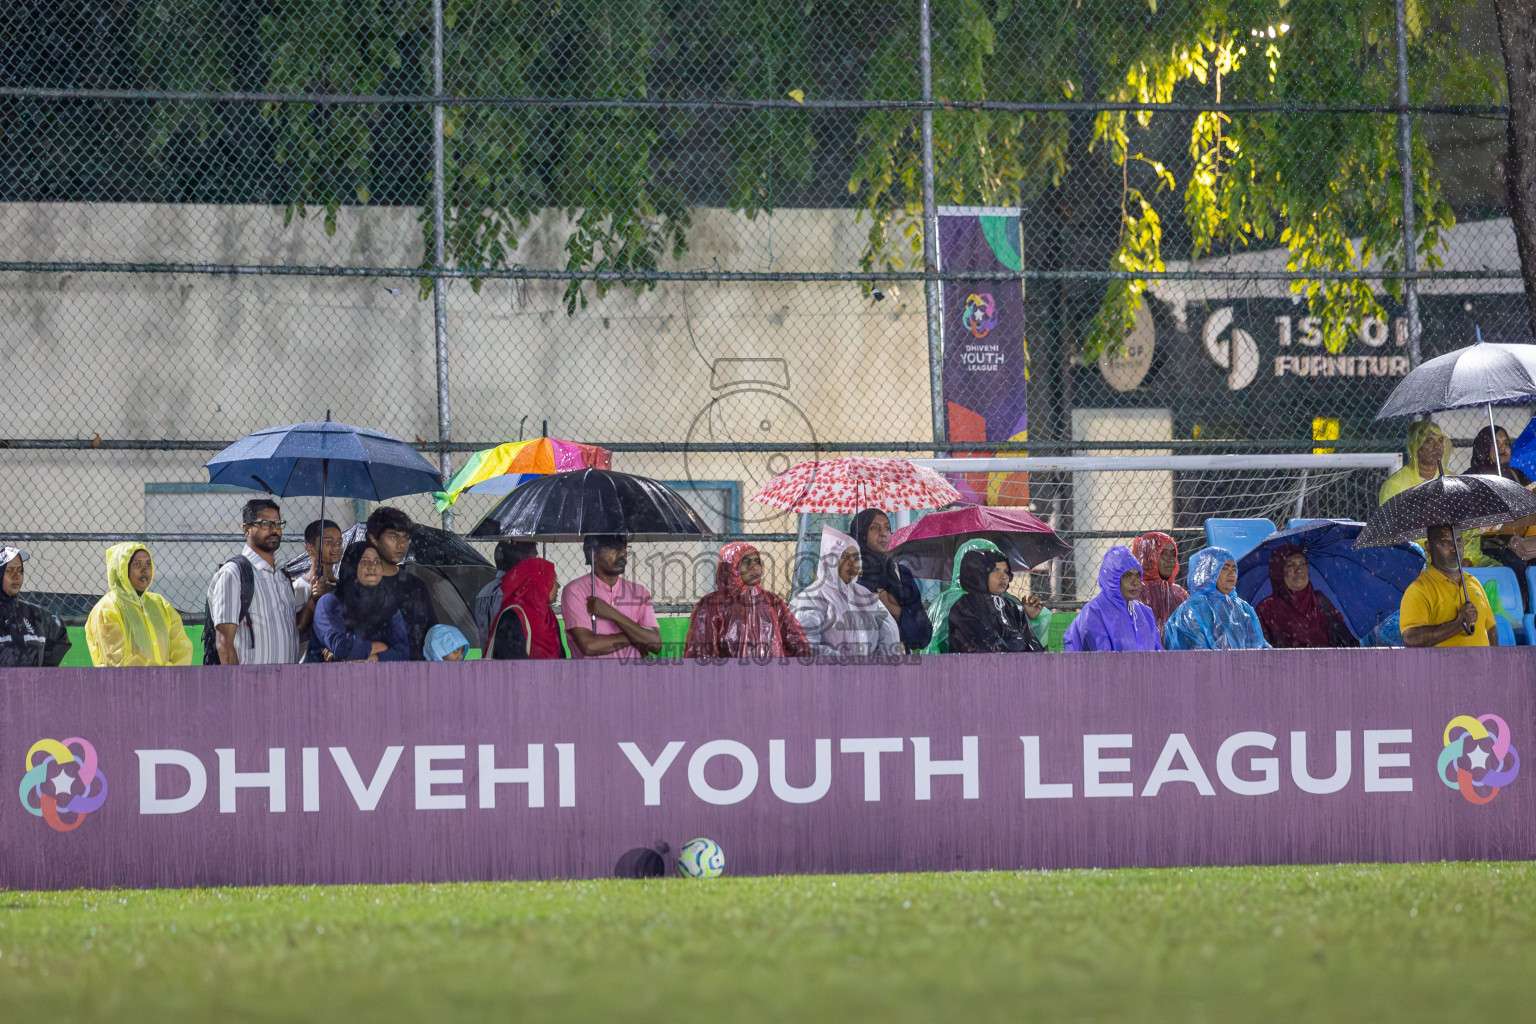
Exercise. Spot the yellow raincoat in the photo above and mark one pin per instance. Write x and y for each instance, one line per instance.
(129, 628)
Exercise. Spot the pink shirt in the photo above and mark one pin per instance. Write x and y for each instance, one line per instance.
(628, 597)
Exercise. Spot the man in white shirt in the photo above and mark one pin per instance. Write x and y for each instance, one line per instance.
(269, 636)
(324, 555)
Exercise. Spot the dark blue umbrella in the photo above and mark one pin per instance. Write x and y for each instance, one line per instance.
(1363, 585)
(335, 459)
(1522, 455)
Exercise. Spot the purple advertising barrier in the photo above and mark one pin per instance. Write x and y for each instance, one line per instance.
(402, 773)
(985, 354)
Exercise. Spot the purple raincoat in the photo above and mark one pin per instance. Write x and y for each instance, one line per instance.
(1107, 623)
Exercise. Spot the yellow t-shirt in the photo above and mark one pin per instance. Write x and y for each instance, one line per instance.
(1433, 598)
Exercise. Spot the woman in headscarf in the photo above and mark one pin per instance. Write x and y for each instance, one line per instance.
(446, 643)
(740, 619)
(1483, 461)
(1214, 618)
(130, 625)
(1494, 549)
(1428, 457)
(526, 626)
(361, 620)
(894, 584)
(839, 616)
(29, 636)
(1294, 614)
(1158, 554)
(954, 592)
(1115, 619)
(984, 619)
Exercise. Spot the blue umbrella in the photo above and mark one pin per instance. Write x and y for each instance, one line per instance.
(326, 459)
(1522, 454)
(1363, 585)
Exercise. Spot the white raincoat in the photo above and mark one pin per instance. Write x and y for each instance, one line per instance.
(843, 618)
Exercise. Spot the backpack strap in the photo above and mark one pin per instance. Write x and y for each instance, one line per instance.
(489, 653)
(247, 593)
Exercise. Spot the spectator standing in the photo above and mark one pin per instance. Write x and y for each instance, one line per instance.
(1433, 611)
(894, 584)
(1214, 618)
(268, 635)
(29, 636)
(389, 531)
(323, 546)
(489, 600)
(1427, 458)
(625, 623)
(130, 625)
(1115, 619)
(741, 619)
(360, 620)
(526, 626)
(1513, 550)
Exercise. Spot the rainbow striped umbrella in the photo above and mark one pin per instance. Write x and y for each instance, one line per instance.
(498, 470)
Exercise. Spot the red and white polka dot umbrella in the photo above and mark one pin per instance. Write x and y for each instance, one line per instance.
(854, 483)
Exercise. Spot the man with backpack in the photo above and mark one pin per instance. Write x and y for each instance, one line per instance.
(252, 606)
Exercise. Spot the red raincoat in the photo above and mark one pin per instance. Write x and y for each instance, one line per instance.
(1298, 618)
(1159, 594)
(738, 621)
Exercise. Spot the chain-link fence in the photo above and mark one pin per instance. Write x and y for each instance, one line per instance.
(716, 238)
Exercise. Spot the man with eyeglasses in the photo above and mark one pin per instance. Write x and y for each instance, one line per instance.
(268, 635)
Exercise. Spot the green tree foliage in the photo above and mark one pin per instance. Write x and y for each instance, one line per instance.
(602, 166)
(1323, 186)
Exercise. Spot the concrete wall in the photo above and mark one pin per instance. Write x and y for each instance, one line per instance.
(141, 356)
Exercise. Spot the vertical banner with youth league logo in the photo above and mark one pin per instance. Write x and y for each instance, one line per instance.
(986, 364)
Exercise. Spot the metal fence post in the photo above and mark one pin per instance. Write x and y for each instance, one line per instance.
(439, 258)
(931, 293)
(1405, 168)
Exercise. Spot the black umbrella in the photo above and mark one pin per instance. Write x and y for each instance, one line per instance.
(571, 506)
(1486, 374)
(1468, 502)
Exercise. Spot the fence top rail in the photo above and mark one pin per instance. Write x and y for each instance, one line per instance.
(1193, 273)
(1199, 463)
(743, 103)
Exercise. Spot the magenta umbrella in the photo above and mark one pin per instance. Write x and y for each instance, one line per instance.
(928, 546)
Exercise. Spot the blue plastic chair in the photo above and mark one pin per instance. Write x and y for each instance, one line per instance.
(1238, 536)
(1505, 631)
(1509, 595)
(1530, 613)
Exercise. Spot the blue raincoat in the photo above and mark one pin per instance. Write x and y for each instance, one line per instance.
(1108, 622)
(443, 640)
(1211, 620)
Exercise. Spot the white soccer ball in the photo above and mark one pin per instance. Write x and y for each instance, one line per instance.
(701, 858)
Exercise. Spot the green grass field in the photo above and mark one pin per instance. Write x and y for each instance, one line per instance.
(1429, 942)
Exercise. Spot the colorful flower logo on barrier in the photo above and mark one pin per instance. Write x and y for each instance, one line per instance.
(1478, 759)
(63, 779)
(980, 314)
